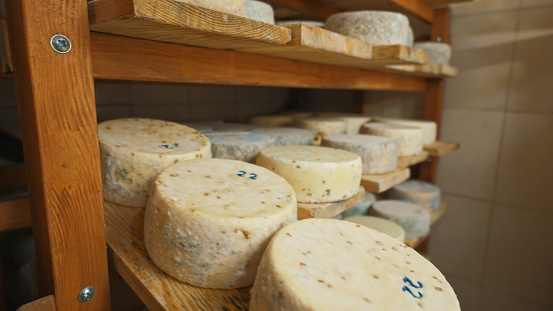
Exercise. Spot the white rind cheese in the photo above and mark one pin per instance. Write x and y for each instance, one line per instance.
(378, 154)
(414, 219)
(235, 7)
(408, 138)
(288, 136)
(322, 126)
(438, 52)
(134, 151)
(317, 174)
(259, 11)
(429, 128)
(418, 192)
(239, 146)
(208, 222)
(361, 208)
(379, 224)
(353, 121)
(272, 121)
(326, 264)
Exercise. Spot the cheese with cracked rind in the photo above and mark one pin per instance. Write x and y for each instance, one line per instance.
(408, 138)
(272, 121)
(380, 224)
(378, 154)
(286, 136)
(322, 126)
(259, 11)
(326, 264)
(317, 174)
(208, 222)
(429, 128)
(414, 219)
(241, 146)
(419, 192)
(134, 151)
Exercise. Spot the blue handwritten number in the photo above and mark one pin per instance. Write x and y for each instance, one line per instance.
(406, 280)
(406, 289)
(242, 173)
(253, 176)
(417, 285)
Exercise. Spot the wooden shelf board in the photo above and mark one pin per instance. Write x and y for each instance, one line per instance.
(382, 182)
(414, 243)
(437, 214)
(15, 214)
(157, 290)
(177, 22)
(427, 71)
(440, 148)
(328, 210)
(412, 160)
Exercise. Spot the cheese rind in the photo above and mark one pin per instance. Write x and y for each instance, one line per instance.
(272, 121)
(285, 136)
(429, 128)
(378, 154)
(236, 7)
(408, 138)
(379, 224)
(353, 121)
(134, 151)
(414, 219)
(317, 174)
(232, 127)
(418, 192)
(360, 208)
(438, 52)
(322, 126)
(259, 11)
(208, 222)
(326, 264)
(242, 146)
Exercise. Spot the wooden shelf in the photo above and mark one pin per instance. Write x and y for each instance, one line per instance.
(428, 70)
(412, 160)
(15, 214)
(382, 182)
(440, 148)
(328, 210)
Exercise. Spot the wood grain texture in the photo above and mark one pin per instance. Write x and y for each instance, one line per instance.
(15, 214)
(427, 71)
(412, 160)
(418, 8)
(381, 182)
(440, 148)
(59, 127)
(398, 54)
(47, 303)
(5, 53)
(328, 210)
(177, 22)
(158, 291)
(314, 8)
(120, 58)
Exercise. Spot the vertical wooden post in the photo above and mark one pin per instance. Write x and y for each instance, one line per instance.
(60, 140)
(435, 89)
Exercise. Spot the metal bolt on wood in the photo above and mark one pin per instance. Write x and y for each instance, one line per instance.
(60, 44)
(86, 294)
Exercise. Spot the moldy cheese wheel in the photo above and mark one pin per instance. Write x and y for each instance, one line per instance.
(208, 222)
(317, 174)
(322, 126)
(409, 138)
(242, 146)
(326, 264)
(135, 151)
(286, 136)
(419, 192)
(414, 219)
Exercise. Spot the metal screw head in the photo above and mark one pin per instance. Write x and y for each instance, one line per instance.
(439, 39)
(60, 44)
(86, 294)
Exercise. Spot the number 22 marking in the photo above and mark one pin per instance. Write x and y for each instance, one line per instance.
(242, 173)
(406, 289)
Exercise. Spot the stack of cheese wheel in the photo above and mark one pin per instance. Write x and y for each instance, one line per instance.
(360, 208)
(272, 121)
(378, 154)
(242, 146)
(317, 174)
(379, 224)
(414, 219)
(285, 136)
(235, 7)
(429, 128)
(259, 11)
(419, 192)
(208, 222)
(326, 264)
(408, 138)
(353, 121)
(134, 151)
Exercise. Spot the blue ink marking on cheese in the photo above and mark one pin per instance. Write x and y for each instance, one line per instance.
(241, 173)
(406, 289)
(407, 280)
(253, 176)
(417, 285)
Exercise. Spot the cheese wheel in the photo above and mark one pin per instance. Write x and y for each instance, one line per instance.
(414, 219)
(208, 222)
(288, 136)
(272, 121)
(373, 27)
(408, 138)
(322, 126)
(259, 11)
(308, 22)
(385, 226)
(438, 52)
(326, 264)
(134, 151)
(236, 7)
(429, 128)
(232, 127)
(360, 208)
(410, 37)
(242, 146)
(378, 154)
(202, 128)
(353, 121)
(317, 174)
(418, 192)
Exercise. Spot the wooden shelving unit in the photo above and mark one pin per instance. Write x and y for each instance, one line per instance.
(144, 40)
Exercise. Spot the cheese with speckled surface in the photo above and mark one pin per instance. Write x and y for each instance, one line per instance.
(242, 146)
(286, 136)
(408, 138)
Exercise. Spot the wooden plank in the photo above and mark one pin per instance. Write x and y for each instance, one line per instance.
(427, 71)
(158, 291)
(415, 243)
(396, 54)
(418, 8)
(47, 303)
(382, 182)
(328, 210)
(412, 160)
(182, 23)
(15, 214)
(5, 53)
(314, 8)
(12, 178)
(120, 58)
(59, 127)
(440, 148)
(445, 2)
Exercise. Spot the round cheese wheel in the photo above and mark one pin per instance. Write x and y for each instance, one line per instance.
(353, 121)
(419, 192)
(360, 208)
(410, 37)
(294, 22)
(242, 146)
(208, 222)
(378, 154)
(326, 264)
(373, 27)
(379, 224)
(285, 136)
(232, 127)
(317, 174)
(259, 11)
(202, 128)
(408, 138)
(134, 151)
(272, 121)
(429, 128)
(438, 53)
(414, 219)
(322, 126)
